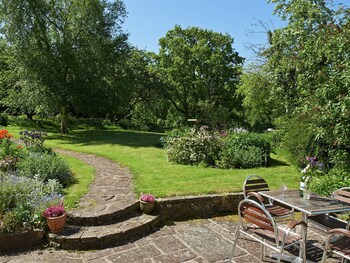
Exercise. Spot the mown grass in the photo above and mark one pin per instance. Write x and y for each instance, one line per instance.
(84, 175)
(141, 152)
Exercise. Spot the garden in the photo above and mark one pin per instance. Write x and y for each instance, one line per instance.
(33, 180)
(191, 119)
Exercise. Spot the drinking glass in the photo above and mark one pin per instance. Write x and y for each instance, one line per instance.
(283, 189)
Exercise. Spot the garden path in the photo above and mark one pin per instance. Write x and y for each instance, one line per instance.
(111, 190)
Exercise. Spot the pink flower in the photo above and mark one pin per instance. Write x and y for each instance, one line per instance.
(147, 198)
(54, 211)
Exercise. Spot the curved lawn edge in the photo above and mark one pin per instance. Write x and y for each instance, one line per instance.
(152, 173)
(84, 174)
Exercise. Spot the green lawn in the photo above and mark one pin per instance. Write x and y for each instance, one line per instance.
(84, 175)
(141, 152)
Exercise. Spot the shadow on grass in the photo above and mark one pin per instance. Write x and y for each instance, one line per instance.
(99, 137)
(275, 163)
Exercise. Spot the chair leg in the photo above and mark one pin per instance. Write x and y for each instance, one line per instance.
(324, 256)
(234, 243)
(262, 247)
(325, 251)
(279, 257)
(303, 246)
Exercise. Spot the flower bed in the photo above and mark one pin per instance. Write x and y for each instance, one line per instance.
(29, 183)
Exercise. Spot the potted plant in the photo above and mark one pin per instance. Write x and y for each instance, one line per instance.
(55, 218)
(147, 202)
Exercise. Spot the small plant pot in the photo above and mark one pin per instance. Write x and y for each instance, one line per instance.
(146, 207)
(56, 224)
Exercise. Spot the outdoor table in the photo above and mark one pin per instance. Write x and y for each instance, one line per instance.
(316, 205)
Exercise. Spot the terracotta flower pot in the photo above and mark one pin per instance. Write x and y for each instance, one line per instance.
(56, 224)
(146, 207)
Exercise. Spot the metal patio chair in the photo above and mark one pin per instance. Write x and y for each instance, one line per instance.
(258, 224)
(338, 242)
(252, 185)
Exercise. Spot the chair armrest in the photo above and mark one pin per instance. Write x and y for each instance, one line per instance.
(256, 196)
(295, 223)
(290, 227)
(339, 231)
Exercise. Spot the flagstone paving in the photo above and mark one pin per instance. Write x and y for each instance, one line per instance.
(195, 241)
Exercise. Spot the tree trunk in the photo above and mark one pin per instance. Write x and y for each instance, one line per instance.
(29, 115)
(64, 120)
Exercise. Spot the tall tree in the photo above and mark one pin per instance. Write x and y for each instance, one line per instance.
(67, 49)
(309, 66)
(200, 70)
(261, 107)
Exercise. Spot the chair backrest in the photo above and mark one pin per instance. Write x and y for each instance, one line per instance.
(342, 194)
(254, 183)
(255, 213)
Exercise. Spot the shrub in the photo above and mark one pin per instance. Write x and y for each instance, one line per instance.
(335, 179)
(45, 167)
(192, 147)
(22, 201)
(10, 152)
(244, 150)
(34, 141)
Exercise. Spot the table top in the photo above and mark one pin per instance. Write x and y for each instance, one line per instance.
(316, 205)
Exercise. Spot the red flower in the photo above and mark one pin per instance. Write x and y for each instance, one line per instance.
(4, 134)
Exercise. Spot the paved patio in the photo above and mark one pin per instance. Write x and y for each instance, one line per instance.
(196, 241)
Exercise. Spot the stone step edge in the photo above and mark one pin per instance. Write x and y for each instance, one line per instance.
(91, 218)
(99, 237)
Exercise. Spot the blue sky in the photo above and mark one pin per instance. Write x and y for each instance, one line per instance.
(149, 20)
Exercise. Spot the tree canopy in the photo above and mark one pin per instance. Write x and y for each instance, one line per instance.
(309, 67)
(200, 71)
(67, 50)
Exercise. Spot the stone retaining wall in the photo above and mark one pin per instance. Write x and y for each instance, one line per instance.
(190, 207)
(25, 239)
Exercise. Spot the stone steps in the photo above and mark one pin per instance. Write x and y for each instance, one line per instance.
(94, 217)
(102, 236)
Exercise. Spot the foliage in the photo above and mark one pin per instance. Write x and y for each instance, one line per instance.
(245, 150)
(259, 103)
(46, 166)
(147, 198)
(308, 65)
(199, 70)
(195, 147)
(297, 138)
(236, 150)
(141, 91)
(23, 200)
(333, 180)
(4, 119)
(10, 152)
(60, 57)
(34, 141)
